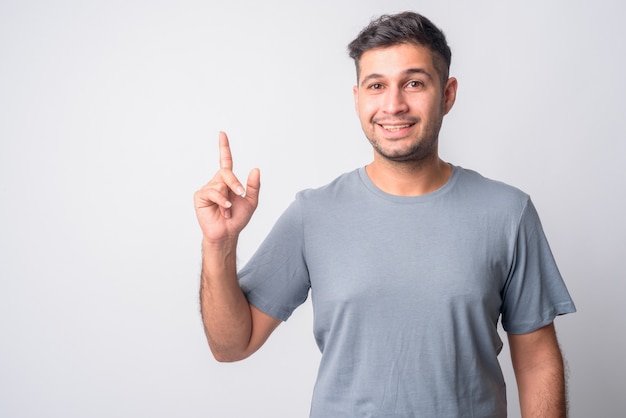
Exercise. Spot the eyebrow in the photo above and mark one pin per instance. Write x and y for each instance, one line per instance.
(409, 72)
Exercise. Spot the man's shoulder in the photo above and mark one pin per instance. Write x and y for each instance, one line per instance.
(344, 184)
(476, 186)
(472, 178)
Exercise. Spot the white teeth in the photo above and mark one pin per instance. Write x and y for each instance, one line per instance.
(395, 127)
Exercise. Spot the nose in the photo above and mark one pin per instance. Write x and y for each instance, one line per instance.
(395, 102)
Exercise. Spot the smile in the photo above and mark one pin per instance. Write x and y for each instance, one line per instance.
(396, 127)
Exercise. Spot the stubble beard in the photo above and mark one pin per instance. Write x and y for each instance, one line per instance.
(423, 147)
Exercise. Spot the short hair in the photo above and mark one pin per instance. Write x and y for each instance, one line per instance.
(403, 28)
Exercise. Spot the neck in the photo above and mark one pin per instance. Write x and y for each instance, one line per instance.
(410, 178)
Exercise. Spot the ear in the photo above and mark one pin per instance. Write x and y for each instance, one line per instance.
(355, 93)
(449, 94)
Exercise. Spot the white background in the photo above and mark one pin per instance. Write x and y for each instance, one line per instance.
(109, 113)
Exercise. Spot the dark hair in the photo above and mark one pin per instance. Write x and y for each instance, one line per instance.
(403, 28)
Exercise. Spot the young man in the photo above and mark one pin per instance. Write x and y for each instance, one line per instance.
(410, 261)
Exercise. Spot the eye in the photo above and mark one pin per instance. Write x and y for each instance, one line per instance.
(375, 86)
(415, 84)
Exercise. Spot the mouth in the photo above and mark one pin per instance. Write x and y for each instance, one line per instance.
(396, 128)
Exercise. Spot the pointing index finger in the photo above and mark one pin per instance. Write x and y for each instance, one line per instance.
(226, 165)
(226, 159)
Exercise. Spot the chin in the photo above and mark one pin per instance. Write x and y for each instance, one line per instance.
(414, 154)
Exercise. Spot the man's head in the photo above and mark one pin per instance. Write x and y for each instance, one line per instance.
(403, 28)
(403, 89)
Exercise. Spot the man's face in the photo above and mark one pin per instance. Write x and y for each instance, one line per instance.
(401, 101)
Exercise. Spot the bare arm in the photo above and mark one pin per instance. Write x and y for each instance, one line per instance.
(234, 329)
(539, 372)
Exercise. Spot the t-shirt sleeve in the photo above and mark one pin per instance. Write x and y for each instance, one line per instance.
(534, 293)
(276, 279)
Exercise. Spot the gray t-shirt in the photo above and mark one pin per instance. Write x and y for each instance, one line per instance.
(407, 292)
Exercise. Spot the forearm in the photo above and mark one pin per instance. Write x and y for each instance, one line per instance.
(540, 375)
(542, 391)
(225, 310)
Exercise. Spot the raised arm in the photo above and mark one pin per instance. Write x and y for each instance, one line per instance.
(539, 372)
(234, 329)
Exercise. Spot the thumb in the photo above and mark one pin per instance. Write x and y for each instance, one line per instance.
(253, 186)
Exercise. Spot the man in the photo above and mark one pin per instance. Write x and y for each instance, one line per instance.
(410, 261)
